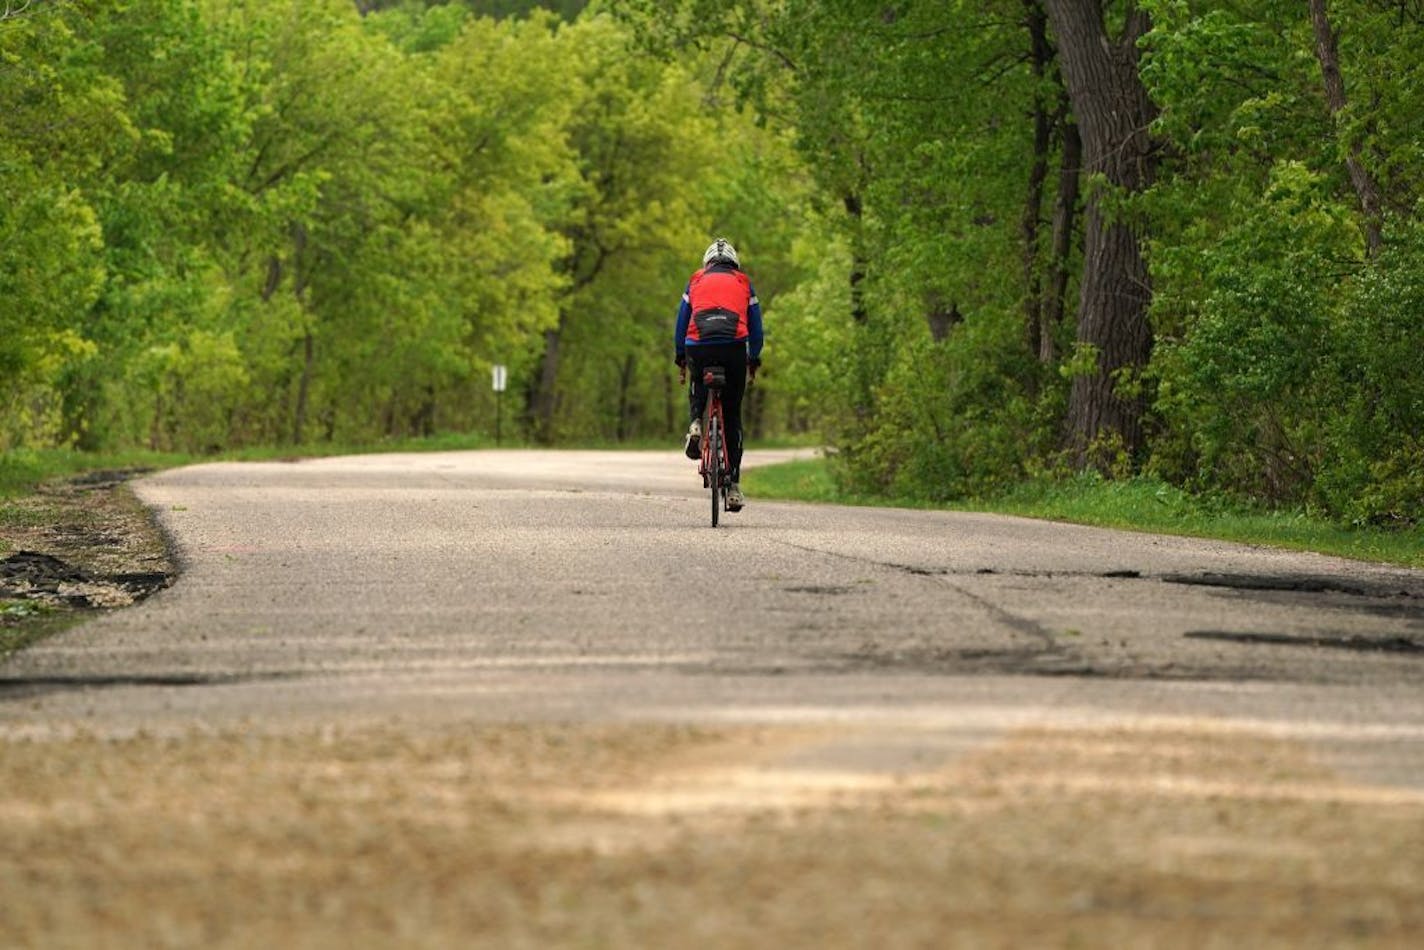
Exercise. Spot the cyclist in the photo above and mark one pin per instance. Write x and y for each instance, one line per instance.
(719, 324)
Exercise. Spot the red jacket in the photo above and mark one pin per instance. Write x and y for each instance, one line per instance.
(720, 299)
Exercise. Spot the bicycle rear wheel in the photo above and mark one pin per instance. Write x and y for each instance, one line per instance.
(714, 463)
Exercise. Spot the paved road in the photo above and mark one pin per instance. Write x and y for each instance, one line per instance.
(588, 586)
(531, 699)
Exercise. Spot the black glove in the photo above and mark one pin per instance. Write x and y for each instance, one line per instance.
(752, 367)
(681, 360)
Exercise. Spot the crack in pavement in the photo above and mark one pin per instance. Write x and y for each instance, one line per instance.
(1019, 624)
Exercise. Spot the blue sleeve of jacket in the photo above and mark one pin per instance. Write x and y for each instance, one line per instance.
(684, 316)
(754, 336)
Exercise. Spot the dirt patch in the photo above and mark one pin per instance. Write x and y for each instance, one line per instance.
(656, 835)
(72, 548)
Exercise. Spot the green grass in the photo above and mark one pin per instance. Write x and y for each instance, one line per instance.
(801, 480)
(1136, 504)
(23, 622)
(23, 469)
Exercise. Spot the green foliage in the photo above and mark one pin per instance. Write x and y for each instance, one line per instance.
(63, 118)
(232, 224)
(1282, 353)
(898, 113)
(1373, 440)
(811, 363)
(953, 418)
(1242, 384)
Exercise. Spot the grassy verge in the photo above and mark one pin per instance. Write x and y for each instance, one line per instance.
(21, 471)
(24, 622)
(1139, 505)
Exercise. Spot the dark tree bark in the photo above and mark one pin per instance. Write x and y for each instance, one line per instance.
(1040, 57)
(1113, 111)
(942, 318)
(545, 395)
(422, 421)
(274, 277)
(299, 288)
(857, 267)
(1065, 216)
(626, 406)
(1327, 50)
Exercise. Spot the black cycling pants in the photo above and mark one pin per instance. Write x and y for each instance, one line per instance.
(732, 357)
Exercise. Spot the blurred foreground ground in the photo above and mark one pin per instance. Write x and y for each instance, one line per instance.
(675, 836)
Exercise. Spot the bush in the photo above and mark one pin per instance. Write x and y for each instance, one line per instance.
(953, 419)
(1239, 393)
(1373, 467)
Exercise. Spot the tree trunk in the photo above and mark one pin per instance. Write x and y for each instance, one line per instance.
(941, 318)
(545, 394)
(625, 397)
(1113, 112)
(1040, 55)
(422, 421)
(1327, 50)
(274, 277)
(299, 286)
(857, 267)
(1065, 214)
(155, 430)
(299, 414)
(672, 403)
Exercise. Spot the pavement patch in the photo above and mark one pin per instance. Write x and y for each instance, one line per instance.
(1344, 641)
(76, 547)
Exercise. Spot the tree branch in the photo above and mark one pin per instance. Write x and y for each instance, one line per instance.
(14, 9)
(785, 60)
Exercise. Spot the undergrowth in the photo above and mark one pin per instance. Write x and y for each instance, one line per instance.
(1138, 504)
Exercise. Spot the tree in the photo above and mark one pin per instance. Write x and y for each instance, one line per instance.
(1279, 360)
(638, 214)
(1113, 114)
(1327, 51)
(908, 121)
(63, 122)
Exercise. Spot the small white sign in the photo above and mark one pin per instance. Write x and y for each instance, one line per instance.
(500, 377)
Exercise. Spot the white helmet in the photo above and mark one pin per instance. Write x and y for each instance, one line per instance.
(721, 250)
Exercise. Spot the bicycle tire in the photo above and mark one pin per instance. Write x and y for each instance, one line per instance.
(714, 462)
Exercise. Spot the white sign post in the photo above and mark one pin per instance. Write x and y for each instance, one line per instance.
(500, 378)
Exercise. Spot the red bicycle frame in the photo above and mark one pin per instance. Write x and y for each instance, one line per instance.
(714, 471)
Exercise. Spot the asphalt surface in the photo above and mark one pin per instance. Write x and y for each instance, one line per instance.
(589, 587)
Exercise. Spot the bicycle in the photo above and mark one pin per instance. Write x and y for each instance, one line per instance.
(716, 460)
